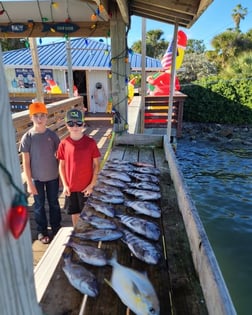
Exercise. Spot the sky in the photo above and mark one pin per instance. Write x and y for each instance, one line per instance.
(216, 19)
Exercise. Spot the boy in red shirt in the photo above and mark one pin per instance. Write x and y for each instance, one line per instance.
(79, 163)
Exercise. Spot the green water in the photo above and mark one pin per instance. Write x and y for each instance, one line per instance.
(220, 181)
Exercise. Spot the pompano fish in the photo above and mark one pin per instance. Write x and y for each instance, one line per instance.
(112, 181)
(116, 200)
(141, 226)
(117, 175)
(144, 177)
(147, 170)
(134, 289)
(109, 190)
(80, 278)
(101, 207)
(98, 222)
(144, 185)
(142, 249)
(89, 254)
(145, 207)
(143, 194)
(99, 235)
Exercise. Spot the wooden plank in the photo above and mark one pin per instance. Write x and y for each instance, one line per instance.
(46, 267)
(139, 140)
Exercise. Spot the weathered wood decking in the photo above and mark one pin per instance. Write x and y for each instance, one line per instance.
(174, 278)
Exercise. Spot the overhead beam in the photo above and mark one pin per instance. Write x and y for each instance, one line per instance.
(104, 3)
(124, 10)
(86, 29)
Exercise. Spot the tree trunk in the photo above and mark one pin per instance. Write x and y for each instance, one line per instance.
(17, 289)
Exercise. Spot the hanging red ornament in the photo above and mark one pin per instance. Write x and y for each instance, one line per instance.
(17, 216)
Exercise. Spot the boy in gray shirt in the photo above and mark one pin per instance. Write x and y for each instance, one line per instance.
(38, 146)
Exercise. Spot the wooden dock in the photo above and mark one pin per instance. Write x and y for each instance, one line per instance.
(174, 278)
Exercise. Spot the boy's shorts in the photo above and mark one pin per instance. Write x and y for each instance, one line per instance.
(75, 202)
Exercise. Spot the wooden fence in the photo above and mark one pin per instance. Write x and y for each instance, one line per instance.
(156, 112)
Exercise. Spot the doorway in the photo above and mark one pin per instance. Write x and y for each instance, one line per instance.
(79, 78)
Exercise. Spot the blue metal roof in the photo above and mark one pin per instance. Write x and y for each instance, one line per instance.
(85, 53)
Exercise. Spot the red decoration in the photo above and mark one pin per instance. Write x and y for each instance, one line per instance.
(17, 217)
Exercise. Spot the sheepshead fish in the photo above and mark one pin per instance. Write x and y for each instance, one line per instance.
(144, 177)
(99, 235)
(109, 190)
(147, 170)
(145, 185)
(117, 175)
(80, 278)
(112, 181)
(145, 207)
(101, 207)
(98, 222)
(116, 200)
(119, 167)
(141, 226)
(142, 249)
(134, 289)
(143, 194)
(89, 254)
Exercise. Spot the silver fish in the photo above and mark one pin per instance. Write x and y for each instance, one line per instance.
(117, 175)
(89, 254)
(144, 207)
(109, 190)
(99, 235)
(116, 200)
(147, 170)
(101, 207)
(134, 289)
(98, 222)
(119, 167)
(144, 177)
(143, 194)
(141, 226)
(142, 249)
(144, 185)
(112, 181)
(80, 278)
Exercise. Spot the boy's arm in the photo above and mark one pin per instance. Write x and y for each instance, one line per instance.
(62, 174)
(96, 168)
(27, 171)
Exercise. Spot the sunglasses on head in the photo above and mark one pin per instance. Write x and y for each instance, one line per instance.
(71, 123)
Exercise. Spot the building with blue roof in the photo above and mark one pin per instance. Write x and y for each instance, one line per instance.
(90, 64)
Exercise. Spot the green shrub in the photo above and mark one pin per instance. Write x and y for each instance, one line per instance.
(215, 100)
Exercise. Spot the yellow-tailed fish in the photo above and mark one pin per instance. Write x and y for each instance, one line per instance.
(134, 289)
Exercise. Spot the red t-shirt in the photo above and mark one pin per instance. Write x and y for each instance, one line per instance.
(78, 156)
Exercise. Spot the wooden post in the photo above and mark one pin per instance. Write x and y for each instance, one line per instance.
(143, 80)
(119, 66)
(17, 289)
(172, 81)
(70, 69)
(36, 69)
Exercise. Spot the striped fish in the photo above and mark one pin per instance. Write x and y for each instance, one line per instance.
(144, 177)
(143, 194)
(141, 226)
(98, 222)
(142, 249)
(144, 207)
(144, 185)
(98, 235)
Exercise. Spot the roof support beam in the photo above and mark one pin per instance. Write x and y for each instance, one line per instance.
(123, 7)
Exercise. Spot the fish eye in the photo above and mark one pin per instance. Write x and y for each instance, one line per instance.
(152, 310)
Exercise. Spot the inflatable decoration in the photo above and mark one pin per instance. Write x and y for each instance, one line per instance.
(131, 85)
(159, 83)
(52, 87)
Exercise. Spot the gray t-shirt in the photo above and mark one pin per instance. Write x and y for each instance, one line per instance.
(42, 148)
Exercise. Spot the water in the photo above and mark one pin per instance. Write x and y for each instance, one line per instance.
(220, 182)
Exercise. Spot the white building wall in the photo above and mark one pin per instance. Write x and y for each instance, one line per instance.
(98, 91)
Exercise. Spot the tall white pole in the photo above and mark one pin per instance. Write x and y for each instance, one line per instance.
(70, 69)
(172, 81)
(143, 80)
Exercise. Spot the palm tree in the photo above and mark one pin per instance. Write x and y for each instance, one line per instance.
(239, 14)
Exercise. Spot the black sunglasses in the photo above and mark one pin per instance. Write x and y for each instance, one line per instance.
(71, 123)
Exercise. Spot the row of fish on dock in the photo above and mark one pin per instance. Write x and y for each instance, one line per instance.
(123, 206)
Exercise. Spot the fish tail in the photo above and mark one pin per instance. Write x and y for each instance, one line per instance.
(113, 260)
